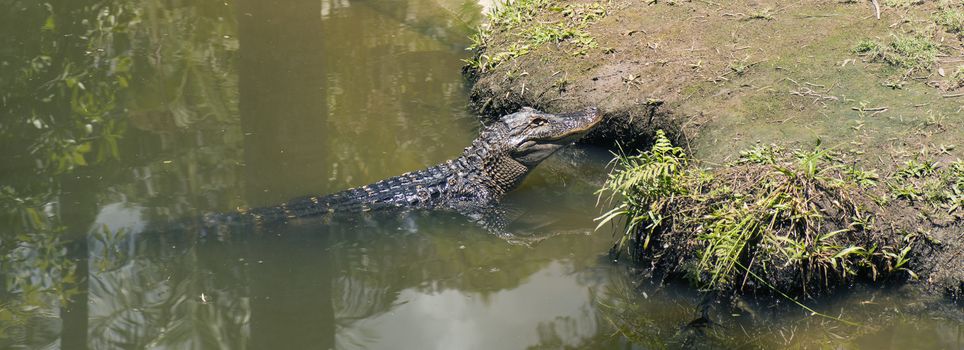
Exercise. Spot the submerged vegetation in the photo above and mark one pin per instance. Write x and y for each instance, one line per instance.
(801, 221)
(569, 30)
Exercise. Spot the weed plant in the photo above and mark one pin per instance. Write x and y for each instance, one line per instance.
(798, 221)
(569, 30)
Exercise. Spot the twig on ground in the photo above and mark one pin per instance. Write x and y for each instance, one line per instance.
(869, 109)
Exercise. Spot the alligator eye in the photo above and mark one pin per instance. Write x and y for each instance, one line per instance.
(539, 122)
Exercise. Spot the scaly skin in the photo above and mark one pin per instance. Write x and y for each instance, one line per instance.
(496, 163)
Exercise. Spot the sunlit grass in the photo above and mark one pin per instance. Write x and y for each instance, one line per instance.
(570, 31)
(802, 219)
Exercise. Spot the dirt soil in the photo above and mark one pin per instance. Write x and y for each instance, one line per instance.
(720, 77)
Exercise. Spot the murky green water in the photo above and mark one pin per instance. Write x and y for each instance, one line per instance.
(121, 116)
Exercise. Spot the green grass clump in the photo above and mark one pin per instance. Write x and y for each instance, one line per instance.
(957, 78)
(951, 19)
(569, 30)
(799, 219)
(869, 48)
(909, 52)
(939, 190)
(902, 3)
(648, 183)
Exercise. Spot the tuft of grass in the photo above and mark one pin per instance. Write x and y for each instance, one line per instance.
(915, 168)
(868, 47)
(951, 19)
(909, 52)
(902, 3)
(647, 183)
(765, 14)
(912, 52)
(485, 62)
(510, 14)
(861, 177)
(759, 155)
(939, 188)
(798, 218)
(569, 30)
(956, 79)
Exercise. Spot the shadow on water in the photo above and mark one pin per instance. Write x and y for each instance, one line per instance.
(121, 117)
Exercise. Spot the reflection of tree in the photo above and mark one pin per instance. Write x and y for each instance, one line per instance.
(60, 80)
(67, 80)
(387, 89)
(81, 214)
(61, 83)
(281, 109)
(166, 297)
(424, 18)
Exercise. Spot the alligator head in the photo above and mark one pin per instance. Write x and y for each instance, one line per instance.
(534, 135)
(508, 149)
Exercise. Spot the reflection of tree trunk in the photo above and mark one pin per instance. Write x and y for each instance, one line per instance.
(78, 204)
(283, 115)
(79, 210)
(283, 112)
(291, 299)
(74, 314)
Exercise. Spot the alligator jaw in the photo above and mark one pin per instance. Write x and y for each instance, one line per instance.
(580, 122)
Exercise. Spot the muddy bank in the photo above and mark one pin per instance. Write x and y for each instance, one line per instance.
(724, 77)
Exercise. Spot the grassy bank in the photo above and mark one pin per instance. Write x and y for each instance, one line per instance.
(791, 221)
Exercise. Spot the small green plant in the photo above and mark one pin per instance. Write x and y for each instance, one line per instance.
(765, 14)
(811, 162)
(509, 14)
(916, 168)
(646, 182)
(902, 3)
(912, 52)
(561, 84)
(956, 79)
(861, 177)
(955, 200)
(909, 52)
(951, 19)
(519, 16)
(485, 62)
(905, 191)
(740, 67)
(584, 13)
(868, 47)
(759, 155)
(797, 215)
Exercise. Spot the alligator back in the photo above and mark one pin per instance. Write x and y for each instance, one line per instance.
(439, 187)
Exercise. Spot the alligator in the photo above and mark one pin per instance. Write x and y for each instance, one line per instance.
(497, 161)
